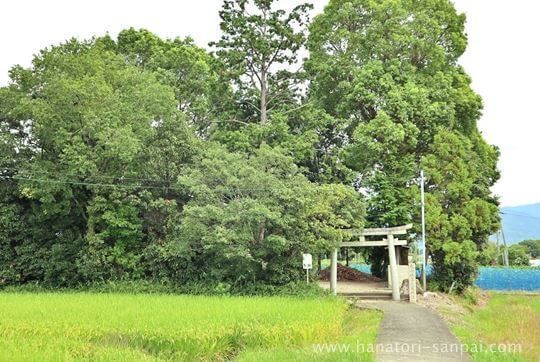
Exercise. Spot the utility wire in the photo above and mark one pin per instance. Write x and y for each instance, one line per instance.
(38, 177)
(80, 183)
(111, 185)
(520, 215)
(30, 173)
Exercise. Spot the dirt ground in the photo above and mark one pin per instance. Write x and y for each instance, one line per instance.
(450, 310)
(357, 287)
(347, 274)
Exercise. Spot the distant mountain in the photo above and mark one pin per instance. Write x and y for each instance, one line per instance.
(521, 223)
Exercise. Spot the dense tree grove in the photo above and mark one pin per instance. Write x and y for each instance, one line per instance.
(143, 158)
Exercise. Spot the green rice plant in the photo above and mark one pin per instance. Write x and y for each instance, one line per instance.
(84, 326)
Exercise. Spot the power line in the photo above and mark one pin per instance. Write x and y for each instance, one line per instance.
(80, 183)
(520, 215)
(110, 185)
(37, 177)
(30, 173)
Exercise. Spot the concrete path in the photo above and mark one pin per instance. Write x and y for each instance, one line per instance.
(410, 332)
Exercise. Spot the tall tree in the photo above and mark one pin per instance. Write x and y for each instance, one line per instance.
(461, 214)
(389, 69)
(259, 45)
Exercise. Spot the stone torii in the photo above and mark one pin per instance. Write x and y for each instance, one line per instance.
(390, 241)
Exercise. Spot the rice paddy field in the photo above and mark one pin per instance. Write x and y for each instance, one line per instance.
(122, 327)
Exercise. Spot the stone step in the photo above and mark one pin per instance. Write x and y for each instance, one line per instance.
(368, 295)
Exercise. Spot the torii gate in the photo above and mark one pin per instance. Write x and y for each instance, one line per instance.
(389, 241)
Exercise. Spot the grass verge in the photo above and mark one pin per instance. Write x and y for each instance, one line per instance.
(504, 327)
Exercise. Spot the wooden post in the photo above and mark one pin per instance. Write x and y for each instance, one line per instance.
(333, 272)
(393, 268)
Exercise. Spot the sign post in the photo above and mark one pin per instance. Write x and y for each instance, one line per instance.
(307, 264)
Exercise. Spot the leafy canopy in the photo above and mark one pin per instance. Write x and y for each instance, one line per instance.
(259, 44)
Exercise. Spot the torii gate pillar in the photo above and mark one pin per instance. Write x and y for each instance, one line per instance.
(393, 268)
(390, 242)
(333, 271)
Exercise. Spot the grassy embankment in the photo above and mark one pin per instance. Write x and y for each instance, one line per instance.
(165, 327)
(506, 319)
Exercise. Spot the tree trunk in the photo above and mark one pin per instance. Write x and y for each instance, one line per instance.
(264, 99)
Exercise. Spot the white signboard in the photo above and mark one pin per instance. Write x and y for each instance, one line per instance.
(308, 261)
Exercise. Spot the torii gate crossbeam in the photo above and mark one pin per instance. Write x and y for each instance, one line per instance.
(390, 242)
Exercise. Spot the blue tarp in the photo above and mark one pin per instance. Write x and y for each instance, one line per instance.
(509, 279)
(495, 278)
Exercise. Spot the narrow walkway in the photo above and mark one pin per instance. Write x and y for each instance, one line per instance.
(410, 332)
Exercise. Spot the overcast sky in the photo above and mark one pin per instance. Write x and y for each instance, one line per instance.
(502, 59)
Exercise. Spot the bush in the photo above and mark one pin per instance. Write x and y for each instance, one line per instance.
(297, 289)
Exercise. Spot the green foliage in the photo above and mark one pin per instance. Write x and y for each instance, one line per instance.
(298, 289)
(258, 43)
(533, 247)
(89, 127)
(144, 159)
(460, 213)
(490, 255)
(518, 255)
(389, 70)
(251, 218)
(107, 182)
(189, 70)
